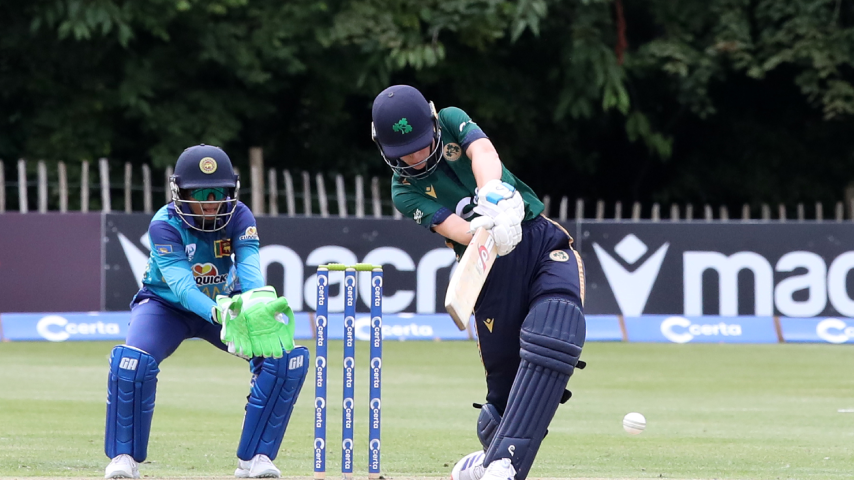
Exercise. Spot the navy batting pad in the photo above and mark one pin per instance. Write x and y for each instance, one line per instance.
(130, 402)
(551, 340)
(271, 401)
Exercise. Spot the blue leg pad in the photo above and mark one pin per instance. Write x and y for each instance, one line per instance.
(551, 340)
(487, 424)
(131, 388)
(271, 400)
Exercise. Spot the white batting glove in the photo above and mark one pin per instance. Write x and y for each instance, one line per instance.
(498, 198)
(480, 222)
(502, 210)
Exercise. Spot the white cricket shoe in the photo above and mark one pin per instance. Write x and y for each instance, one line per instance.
(469, 467)
(259, 467)
(123, 466)
(500, 469)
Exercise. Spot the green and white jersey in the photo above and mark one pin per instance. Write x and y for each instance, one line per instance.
(451, 186)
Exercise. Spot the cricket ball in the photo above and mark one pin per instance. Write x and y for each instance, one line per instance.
(634, 423)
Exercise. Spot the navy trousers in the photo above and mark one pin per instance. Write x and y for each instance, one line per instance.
(542, 265)
(158, 329)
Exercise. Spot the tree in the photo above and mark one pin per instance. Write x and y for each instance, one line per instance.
(725, 101)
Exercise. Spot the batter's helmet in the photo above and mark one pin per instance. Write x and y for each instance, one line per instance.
(404, 122)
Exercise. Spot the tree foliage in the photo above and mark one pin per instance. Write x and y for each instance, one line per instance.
(724, 101)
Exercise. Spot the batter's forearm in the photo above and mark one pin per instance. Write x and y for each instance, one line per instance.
(485, 163)
(454, 228)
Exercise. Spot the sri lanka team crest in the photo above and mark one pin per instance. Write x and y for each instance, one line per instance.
(207, 274)
(222, 248)
(207, 165)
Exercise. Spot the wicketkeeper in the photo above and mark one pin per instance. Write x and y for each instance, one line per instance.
(204, 280)
(530, 321)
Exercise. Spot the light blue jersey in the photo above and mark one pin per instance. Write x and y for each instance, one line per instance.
(188, 268)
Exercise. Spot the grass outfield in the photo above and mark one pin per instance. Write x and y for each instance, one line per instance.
(713, 411)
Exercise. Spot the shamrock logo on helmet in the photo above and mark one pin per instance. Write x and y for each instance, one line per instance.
(402, 126)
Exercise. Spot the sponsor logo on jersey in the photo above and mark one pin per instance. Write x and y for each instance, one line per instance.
(452, 152)
(162, 249)
(430, 191)
(207, 165)
(559, 256)
(207, 274)
(489, 322)
(250, 234)
(191, 251)
(418, 215)
(222, 248)
(465, 208)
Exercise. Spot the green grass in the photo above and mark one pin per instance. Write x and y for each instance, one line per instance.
(713, 411)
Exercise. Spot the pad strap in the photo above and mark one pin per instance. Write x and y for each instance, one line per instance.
(131, 388)
(271, 400)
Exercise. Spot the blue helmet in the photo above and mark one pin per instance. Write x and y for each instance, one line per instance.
(404, 122)
(203, 177)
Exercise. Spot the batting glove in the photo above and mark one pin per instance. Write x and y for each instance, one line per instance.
(502, 210)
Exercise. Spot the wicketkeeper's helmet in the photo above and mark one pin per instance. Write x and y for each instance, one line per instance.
(404, 122)
(203, 176)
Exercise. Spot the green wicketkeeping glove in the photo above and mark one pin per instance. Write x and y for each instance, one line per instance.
(271, 327)
(234, 332)
(256, 323)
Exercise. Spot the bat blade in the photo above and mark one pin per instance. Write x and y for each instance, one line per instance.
(469, 277)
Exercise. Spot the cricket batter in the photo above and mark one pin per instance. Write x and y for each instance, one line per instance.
(530, 323)
(203, 244)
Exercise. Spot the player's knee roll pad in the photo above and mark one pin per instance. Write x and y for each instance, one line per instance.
(487, 424)
(552, 335)
(551, 339)
(271, 400)
(131, 388)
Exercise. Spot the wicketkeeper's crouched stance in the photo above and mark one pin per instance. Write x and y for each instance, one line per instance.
(192, 241)
(530, 321)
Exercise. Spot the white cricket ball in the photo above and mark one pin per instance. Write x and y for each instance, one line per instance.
(634, 423)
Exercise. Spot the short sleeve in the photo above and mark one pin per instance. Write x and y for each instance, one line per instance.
(415, 206)
(461, 129)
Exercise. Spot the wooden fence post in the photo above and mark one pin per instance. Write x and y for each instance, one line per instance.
(104, 170)
(306, 193)
(42, 186)
(84, 186)
(22, 186)
(377, 205)
(341, 195)
(289, 193)
(256, 174)
(146, 188)
(273, 208)
(360, 197)
(63, 187)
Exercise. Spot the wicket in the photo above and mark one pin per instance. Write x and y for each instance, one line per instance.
(348, 405)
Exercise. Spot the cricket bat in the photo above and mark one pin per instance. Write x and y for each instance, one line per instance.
(469, 277)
